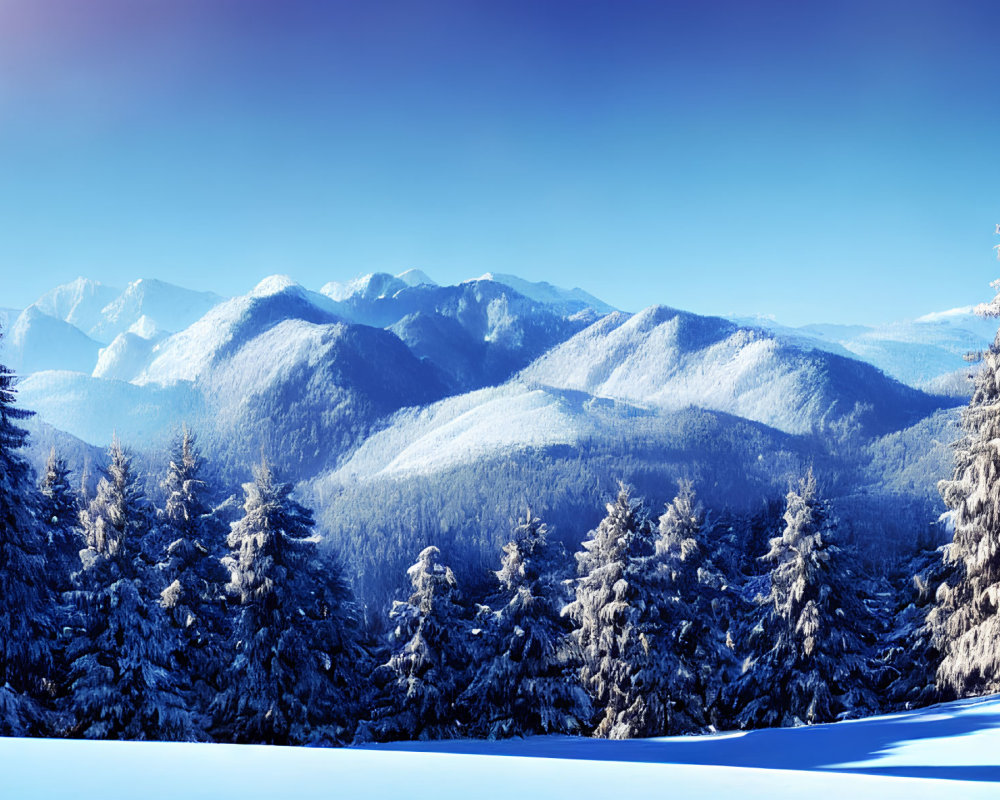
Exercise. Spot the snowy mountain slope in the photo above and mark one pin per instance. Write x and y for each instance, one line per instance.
(225, 328)
(37, 341)
(670, 359)
(126, 357)
(305, 391)
(92, 409)
(79, 303)
(164, 306)
(946, 751)
(7, 317)
(567, 301)
(482, 424)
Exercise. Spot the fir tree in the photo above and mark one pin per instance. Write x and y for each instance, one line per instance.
(425, 673)
(194, 598)
(966, 620)
(297, 662)
(809, 645)
(695, 609)
(616, 622)
(60, 518)
(527, 681)
(121, 677)
(25, 623)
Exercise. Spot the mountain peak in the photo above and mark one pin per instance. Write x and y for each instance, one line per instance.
(416, 277)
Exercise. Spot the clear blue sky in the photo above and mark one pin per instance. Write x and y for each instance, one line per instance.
(815, 161)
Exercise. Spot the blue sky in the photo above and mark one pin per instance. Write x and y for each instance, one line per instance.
(817, 162)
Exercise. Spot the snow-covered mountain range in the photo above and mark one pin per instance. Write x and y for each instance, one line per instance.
(337, 361)
(456, 405)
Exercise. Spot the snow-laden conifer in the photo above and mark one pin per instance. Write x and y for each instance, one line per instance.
(121, 677)
(25, 611)
(966, 619)
(809, 646)
(295, 675)
(195, 578)
(695, 611)
(616, 618)
(427, 670)
(60, 519)
(526, 674)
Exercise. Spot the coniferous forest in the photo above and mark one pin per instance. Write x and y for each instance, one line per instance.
(171, 607)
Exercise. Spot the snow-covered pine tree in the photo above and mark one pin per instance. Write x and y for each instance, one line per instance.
(60, 518)
(616, 618)
(966, 620)
(121, 678)
(809, 647)
(695, 611)
(527, 679)
(25, 614)
(298, 662)
(195, 595)
(423, 678)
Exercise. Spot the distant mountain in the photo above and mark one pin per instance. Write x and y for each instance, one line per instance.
(568, 301)
(36, 341)
(7, 317)
(663, 358)
(161, 306)
(926, 353)
(191, 352)
(79, 303)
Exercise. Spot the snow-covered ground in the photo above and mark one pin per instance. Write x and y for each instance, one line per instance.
(946, 751)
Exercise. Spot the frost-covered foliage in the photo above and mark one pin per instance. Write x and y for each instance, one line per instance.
(297, 658)
(194, 597)
(122, 681)
(526, 680)
(808, 649)
(966, 618)
(910, 653)
(25, 613)
(421, 682)
(696, 607)
(59, 516)
(617, 622)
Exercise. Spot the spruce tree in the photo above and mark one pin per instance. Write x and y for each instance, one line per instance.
(296, 671)
(25, 615)
(121, 675)
(809, 646)
(615, 613)
(526, 681)
(194, 597)
(425, 674)
(60, 518)
(695, 610)
(966, 620)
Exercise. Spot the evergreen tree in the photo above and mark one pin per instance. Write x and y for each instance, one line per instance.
(695, 610)
(60, 518)
(297, 654)
(426, 672)
(121, 677)
(194, 598)
(25, 614)
(616, 619)
(808, 648)
(966, 619)
(526, 681)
